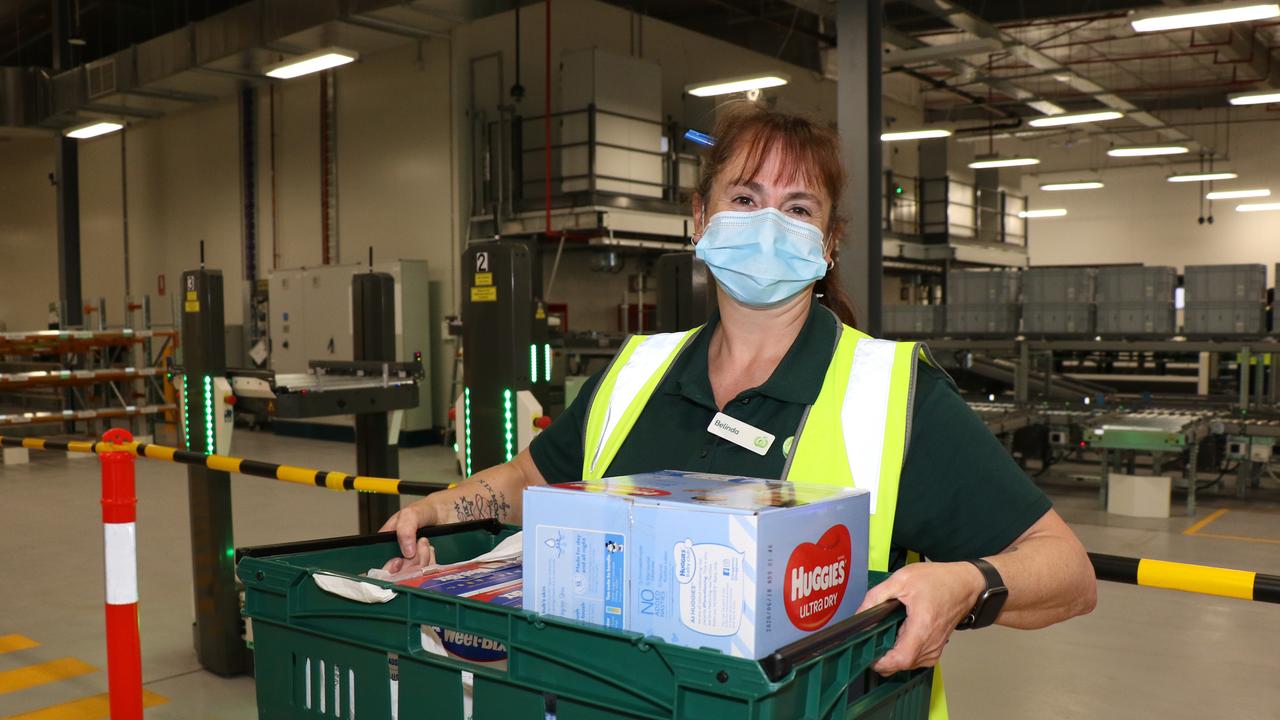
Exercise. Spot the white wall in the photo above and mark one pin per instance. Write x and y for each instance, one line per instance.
(1140, 217)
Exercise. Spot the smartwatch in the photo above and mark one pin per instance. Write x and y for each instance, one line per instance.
(990, 602)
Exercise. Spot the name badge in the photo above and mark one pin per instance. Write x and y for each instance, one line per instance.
(740, 433)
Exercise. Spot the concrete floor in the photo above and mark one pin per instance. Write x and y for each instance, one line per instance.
(1142, 653)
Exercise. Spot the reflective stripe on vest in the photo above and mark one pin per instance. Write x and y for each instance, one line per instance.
(854, 435)
(624, 390)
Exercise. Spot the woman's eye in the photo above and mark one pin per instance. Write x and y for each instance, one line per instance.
(801, 211)
(742, 200)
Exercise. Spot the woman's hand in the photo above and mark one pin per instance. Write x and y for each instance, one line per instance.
(937, 596)
(416, 551)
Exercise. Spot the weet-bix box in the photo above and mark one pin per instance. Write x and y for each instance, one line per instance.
(493, 582)
(738, 564)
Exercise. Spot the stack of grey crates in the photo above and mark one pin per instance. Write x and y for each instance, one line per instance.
(1135, 301)
(914, 321)
(983, 303)
(1057, 302)
(1225, 301)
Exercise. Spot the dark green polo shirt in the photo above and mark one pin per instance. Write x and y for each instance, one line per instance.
(960, 494)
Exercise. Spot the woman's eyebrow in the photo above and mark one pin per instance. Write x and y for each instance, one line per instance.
(802, 195)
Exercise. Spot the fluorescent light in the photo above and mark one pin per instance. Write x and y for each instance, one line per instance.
(738, 84)
(1148, 150)
(1081, 185)
(1202, 177)
(1215, 14)
(1257, 207)
(1238, 194)
(1259, 97)
(1051, 212)
(91, 130)
(914, 135)
(987, 163)
(322, 59)
(1075, 118)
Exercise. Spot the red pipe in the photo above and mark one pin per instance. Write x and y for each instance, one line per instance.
(546, 121)
(324, 168)
(119, 518)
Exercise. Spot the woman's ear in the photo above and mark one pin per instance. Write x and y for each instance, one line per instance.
(699, 217)
(832, 241)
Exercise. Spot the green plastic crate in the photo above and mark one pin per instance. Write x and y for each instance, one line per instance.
(556, 668)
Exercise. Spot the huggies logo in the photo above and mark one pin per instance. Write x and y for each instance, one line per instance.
(817, 575)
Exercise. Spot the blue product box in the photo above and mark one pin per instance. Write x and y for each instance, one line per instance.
(741, 565)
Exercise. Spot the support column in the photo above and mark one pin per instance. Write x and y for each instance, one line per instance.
(858, 103)
(67, 177)
(219, 646)
(377, 454)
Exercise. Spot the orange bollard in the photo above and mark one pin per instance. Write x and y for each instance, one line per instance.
(119, 516)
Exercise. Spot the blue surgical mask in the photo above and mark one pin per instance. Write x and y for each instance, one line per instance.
(761, 257)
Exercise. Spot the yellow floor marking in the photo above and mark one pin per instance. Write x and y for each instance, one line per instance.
(42, 673)
(10, 643)
(1242, 538)
(1202, 524)
(90, 708)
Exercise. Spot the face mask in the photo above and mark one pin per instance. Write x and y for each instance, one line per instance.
(762, 257)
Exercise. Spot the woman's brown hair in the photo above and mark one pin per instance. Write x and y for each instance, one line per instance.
(810, 151)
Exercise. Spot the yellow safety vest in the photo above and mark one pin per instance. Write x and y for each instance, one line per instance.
(854, 435)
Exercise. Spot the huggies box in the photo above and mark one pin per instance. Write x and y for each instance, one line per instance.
(741, 565)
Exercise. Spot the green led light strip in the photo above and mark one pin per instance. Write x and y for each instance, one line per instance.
(186, 408)
(533, 363)
(506, 421)
(210, 447)
(546, 363)
(466, 427)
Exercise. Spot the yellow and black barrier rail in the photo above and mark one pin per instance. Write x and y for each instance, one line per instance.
(1241, 584)
(272, 471)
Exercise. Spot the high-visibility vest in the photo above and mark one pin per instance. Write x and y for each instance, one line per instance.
(854, 435)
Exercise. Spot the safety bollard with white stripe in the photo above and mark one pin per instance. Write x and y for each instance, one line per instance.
(119, 515)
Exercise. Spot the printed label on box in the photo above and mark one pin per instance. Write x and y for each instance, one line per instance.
(710, 578)
(581, 574)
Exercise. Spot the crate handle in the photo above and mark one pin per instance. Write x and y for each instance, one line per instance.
(490, 525)
(782, 661)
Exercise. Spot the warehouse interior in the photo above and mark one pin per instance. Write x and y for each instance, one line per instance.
(394, 238)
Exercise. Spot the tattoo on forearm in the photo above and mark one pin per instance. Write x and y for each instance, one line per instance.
(486, 503)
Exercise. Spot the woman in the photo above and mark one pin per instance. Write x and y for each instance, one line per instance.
(826, 404)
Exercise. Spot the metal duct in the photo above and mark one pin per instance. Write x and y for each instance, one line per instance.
(18, 96)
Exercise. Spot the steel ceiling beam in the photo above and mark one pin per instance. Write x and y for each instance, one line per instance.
(962, 19)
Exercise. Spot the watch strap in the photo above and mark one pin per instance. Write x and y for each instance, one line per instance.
(990, 601)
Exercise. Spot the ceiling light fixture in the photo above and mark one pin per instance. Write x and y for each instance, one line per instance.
(311, 62)
(1075, 118)
(914, 135)
(1257, 207)
(92, 130)
(1148, 150)
(1238, 194)
(1202, 15)
(1259, 97)
(1051, 212)
(992, 162)
(1202, 177)
(737, 84)
(1080, 185)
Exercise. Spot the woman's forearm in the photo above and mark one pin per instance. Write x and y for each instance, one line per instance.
(1048, 575)
(495, 492)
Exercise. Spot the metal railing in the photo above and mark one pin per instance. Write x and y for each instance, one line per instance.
(629, 156)
(945, 209)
